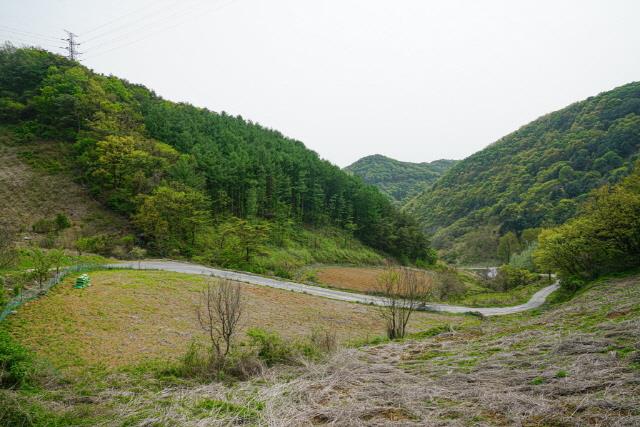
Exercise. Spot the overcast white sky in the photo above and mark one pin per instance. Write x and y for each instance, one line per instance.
(414, 80)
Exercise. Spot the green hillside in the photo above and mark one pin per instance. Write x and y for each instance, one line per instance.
(400, 180)
(536, 176)
(191, 182)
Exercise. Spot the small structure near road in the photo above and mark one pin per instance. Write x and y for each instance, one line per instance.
(82, 281)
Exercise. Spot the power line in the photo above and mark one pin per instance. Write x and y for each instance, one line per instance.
(120, 17)
(138, 20)
(22, 41)
(149, 25)
(26, 33)
(154, 32)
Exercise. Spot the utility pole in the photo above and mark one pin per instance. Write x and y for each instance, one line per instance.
(72, 46)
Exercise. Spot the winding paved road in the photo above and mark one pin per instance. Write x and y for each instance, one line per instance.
(182, 267)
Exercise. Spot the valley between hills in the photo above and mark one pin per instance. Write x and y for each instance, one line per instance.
(165, 265)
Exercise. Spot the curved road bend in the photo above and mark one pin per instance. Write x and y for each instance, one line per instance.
(182, 267)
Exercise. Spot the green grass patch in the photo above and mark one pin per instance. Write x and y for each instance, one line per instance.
(483, 297)
(537, 381)
(224, 409)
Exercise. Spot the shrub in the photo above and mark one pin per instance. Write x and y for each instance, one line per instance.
(100, 244)
(524, 259)
(269, 346)
(510, 277)
(604, 238)
(196, 363)
(324, 339)
(8, 253)
(62, 222)
(53, 225)
(449, 285)
(44, 226)
(3, 293)
(16, 364)
(49, 241)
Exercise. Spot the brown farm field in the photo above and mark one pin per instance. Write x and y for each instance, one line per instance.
(365, 280)
(127, 317)
(360, 279)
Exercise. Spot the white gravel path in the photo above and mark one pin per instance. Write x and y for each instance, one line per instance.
(182, 267)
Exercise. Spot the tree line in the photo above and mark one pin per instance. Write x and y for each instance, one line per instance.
(604, 238)
(177, 170)
(537, 176)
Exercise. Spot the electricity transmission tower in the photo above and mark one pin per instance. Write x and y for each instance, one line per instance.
(72, 46)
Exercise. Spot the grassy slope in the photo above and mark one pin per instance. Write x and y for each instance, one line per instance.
(572, 364)
(33, 185)
(126, 317)
(575, 363)
(35, 178)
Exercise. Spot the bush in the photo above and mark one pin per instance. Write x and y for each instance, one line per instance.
(510, 277)
(8, 253)
(16, 364)
(3, 293)
(62, 222)
(604, 238)
(100, 244)
(49, 241)
(324, 339)
(262, 349)
(196, 363)
(53, 225)
(449, 286)
(524, 259)
(269, 346)
(44, 226)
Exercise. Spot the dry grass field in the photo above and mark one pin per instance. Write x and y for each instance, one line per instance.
(573, 364)
(126, 317)
(360, 279)
(365, 280)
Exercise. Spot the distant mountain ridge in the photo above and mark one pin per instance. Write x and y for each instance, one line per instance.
(399, 180)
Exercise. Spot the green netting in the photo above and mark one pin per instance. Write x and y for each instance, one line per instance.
(82, 281)
(32, 294)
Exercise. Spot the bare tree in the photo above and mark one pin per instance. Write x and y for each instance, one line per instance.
(403, 290)
(219, 314)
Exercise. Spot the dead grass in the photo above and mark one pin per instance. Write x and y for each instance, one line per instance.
(360, 279)
(365, 280)
(126, 317)
(506, 372)
(31, 193)
(570, 366)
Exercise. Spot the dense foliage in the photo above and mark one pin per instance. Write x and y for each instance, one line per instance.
(604, 238)
(538, 175)
(16, 365)
(178, 170)
(399, 180)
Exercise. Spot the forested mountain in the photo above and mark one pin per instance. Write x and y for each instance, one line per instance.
(185, 176)
(535, 176)
(399, 180)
